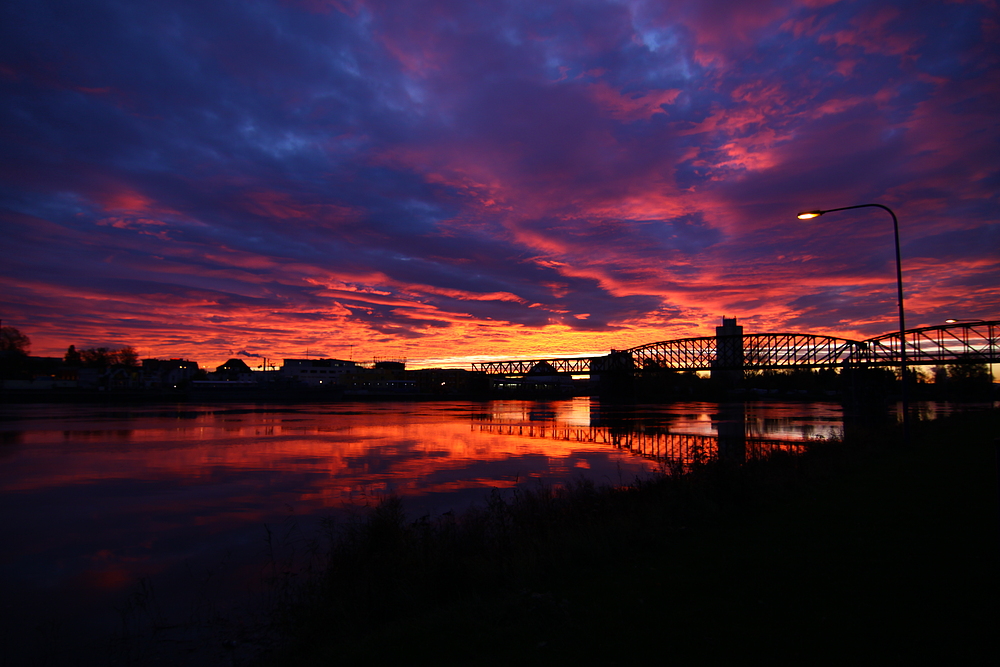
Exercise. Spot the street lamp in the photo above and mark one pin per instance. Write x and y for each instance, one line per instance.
(808, 215)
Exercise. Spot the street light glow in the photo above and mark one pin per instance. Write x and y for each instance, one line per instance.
(808, 215)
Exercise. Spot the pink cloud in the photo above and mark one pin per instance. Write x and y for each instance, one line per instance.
(633, 106)
(872, 32)
(284, 206)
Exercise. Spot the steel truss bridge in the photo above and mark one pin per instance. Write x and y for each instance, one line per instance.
(967, 342)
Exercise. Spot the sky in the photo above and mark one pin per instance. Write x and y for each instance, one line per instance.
(456, 180)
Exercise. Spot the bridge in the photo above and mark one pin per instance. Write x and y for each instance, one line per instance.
(731, 350)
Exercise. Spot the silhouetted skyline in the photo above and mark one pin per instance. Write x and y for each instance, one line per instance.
(446, 180)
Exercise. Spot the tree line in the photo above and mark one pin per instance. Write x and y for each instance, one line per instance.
(101, 357)
(15, 344)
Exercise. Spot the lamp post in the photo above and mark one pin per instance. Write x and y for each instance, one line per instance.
(808, 215)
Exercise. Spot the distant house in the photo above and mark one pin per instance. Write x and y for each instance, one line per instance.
(113, 377)
(159, 373)
(449, 381)
(317, 372)
(385, 377)
(234, 370)
(122, 377)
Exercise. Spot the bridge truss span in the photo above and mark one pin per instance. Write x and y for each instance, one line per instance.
(784, 350)
(574, 365)
(975, 342)
(691, 354)
(760, 351)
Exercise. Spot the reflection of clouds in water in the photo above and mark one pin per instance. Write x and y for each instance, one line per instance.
(234, 464)
(778, 421)
(936, 409)
(805, 421)
(97, 497)
(574, 411)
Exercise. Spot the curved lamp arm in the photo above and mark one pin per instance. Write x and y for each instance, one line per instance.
(808, 215)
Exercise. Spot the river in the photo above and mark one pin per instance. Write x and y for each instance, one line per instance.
(125, 520)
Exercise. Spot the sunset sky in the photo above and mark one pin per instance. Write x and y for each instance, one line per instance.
(452, 180)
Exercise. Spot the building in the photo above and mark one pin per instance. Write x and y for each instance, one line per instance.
(449, 381)
(234, 370)
(385, 377)
(167, 373)
(317, 372)
(542, 378)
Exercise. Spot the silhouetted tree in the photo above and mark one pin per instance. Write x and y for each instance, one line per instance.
(969, 379)
(12, 340)
(966, 372)
(127, 356)
(795, 379)
(96, 357)
(72, 357)
(102, 357)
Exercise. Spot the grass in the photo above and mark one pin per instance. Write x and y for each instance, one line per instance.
(858, 552)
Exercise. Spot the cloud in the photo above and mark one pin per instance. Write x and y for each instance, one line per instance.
(444, 178)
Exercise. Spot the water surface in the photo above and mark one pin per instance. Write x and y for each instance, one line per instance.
(173, 511)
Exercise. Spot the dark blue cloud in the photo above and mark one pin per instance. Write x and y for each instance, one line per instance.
(428, 171)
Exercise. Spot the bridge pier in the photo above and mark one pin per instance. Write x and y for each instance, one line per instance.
(731, 425)
(865, 394)
(614, 375)
(727, 369)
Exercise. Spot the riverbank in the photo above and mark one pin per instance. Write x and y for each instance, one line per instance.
(864, 551)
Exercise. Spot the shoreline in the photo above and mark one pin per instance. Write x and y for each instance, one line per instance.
(823, 541)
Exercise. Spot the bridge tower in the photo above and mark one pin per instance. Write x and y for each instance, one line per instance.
(727, 369)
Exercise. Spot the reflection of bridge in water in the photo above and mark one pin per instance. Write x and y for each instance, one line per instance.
(731, 350)
(675, 452)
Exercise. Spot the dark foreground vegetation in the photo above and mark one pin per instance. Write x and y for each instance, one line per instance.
(864, 551)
